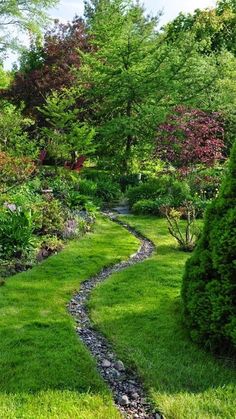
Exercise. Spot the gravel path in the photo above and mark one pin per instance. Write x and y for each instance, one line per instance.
(128, 392)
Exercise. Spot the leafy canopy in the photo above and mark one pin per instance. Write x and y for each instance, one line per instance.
(22, 15)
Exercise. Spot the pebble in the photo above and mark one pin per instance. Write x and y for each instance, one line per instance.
(106, 363)
(119, 366)
(135, 396)
(124, 400)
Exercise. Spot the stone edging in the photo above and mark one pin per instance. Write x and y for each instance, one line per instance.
(127, 390)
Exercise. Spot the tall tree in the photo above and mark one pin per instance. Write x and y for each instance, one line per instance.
(214, 28)
(48, 68)
(135, 75)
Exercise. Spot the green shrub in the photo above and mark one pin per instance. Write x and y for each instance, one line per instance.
(206, 183)
(209, 283)
(16, 232)
(100, 184)
(150, 207)
(177, 191)
(87, 187)
(49, 246)
(52, 217)
(131, 180)
(108, 190)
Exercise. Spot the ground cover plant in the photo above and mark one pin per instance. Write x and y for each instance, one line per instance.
(45, 370)
(139, 310)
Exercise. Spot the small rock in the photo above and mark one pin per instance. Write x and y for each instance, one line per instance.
(135, 396)
(124, 400)
(119, 366)
(106, 363)
(157, 416)
(115, 373)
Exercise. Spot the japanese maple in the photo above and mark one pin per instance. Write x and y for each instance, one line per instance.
(190, 137)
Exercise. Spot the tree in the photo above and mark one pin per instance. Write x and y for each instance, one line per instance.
(208, 290)
(48, 68)
(5, 78)
(214, 29)
(134, 76)
(14, 138)
(23, 15)
(65, 137)
(190, 137)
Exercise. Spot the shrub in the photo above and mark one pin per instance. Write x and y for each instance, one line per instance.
(87, 187)
(131, 180)
(108, 190)
(49, 246)
(177, 191)
(208, 290)
(150, 207)
(100, 184)
(16, 232)
(52, 217)
(206, 183)
(186, 233)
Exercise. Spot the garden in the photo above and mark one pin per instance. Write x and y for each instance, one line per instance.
(118, 213)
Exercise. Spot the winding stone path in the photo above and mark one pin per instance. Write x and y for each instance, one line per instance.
(128, 392)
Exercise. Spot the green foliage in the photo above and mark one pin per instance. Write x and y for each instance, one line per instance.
(101, 185)
(65, 137)
(164, 186)
(5, 78)
(14, 138)
(151, 207)
(49, 245)
(26, 15)
(87, 187)
(16, 232)
(209, 281)
(52, 217)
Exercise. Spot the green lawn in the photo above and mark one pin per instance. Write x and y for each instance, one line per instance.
(45, 371)
(139, 310)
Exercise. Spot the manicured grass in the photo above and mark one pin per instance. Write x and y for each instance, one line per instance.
(45, 370)
(139, 310)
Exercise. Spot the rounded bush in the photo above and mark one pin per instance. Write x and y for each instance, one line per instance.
(209, 283)
(150, 207)
(177, 191)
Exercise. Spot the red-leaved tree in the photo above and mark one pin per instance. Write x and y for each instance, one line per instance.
(48, 68)
(190, 137)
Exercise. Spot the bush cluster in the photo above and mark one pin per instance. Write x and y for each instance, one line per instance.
(36, 218)
(149, 197)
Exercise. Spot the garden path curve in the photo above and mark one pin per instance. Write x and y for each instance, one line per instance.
(127, 390)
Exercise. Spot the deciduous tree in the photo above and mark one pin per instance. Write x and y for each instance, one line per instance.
(21, 15)
(134, 76)
(190, 137)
